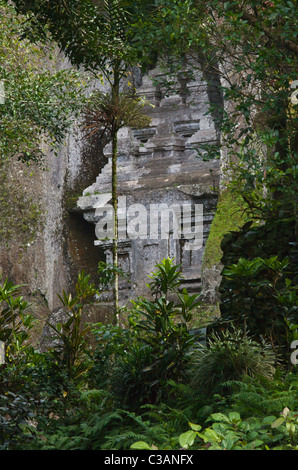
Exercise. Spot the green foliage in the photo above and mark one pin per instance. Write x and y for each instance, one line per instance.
(107, 274)
(266, 145)
(263, 299)
(112, 344)
(119, 405)
(230, 432)
(105, 429)
(166, 279)
(260, 397)
(39, 101)
(15, 426)
(105, 112)
(73, 334)
(229, 356)
(15, 321)
(98, 44)
(133, 381)
(20, 214)
(149, 361)
(230, 215)
(163, 342)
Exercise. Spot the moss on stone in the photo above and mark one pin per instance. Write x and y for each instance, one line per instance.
(20, 214)
(70, 201)
(230, 216)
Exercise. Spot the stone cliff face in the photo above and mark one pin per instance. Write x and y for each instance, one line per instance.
(157, 165)
(36, 261)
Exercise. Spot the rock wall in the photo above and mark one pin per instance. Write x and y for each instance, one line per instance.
(36, 257)
(49, 231)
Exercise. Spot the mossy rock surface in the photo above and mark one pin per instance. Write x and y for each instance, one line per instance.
(230, 216)
(20, 212)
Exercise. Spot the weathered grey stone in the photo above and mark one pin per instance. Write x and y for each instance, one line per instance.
(156, 165)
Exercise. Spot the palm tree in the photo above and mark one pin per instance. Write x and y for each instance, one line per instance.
(97, 35)
(106, 113)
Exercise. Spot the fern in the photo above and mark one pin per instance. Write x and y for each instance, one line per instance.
(229, 358)
(173, 419)
(138, 430)
(261, 397)
(98, 423)
(123, 441)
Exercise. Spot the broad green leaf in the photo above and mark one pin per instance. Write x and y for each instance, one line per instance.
(220, 417)
(211, 435)
(234, 417)
(195, 427)
(187, 439)
(278, 422)
(140, 445)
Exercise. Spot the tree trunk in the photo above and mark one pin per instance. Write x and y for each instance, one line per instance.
(115, 95)
(115, 239)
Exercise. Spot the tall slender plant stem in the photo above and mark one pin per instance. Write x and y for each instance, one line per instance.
(115, 96)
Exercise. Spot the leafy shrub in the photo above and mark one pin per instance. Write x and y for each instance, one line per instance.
(231, 432)
(228, 357)
(259, 290)
(73, 335)
(133, 381)
(35, 386)
(111, 344)
(16, 427)
(144, 383)
(15, 322)
(260, 397)
(163, 340)
(104, 428)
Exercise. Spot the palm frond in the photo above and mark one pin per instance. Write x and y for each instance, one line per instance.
(105, 112)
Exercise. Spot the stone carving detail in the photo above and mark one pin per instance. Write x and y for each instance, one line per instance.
(160, 164)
